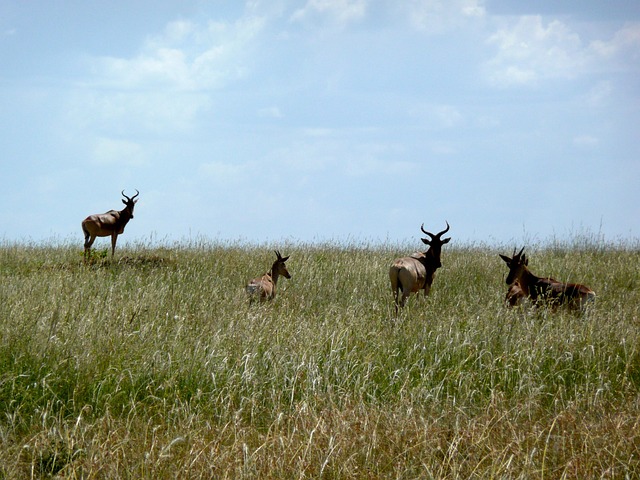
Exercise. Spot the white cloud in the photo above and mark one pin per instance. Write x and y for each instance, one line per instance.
(341, 11)
(438, 16)
(530, 51)
(164, 87)
(187, 56)
(625, 42)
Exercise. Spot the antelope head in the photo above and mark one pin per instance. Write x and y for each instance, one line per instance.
(517, 265)
(435, 241)
(279, 268)
(130, 202)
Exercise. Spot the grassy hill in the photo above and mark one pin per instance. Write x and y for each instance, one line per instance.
(154, 365)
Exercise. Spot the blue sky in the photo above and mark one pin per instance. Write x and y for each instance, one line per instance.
(321, 120)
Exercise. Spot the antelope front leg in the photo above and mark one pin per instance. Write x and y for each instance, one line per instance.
(114, 239)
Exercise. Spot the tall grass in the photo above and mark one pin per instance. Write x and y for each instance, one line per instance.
(154, 365)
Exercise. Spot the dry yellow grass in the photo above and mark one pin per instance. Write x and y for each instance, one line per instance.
(154, 365)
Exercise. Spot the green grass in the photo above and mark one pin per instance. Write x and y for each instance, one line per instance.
(154, 365)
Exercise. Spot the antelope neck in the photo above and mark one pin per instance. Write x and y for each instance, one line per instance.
(527, 280)
(273, 273)
(430, 259)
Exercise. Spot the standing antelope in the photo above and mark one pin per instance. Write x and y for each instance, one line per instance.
(524, 284)
(106, 224)
(265, 286)
(416, 272)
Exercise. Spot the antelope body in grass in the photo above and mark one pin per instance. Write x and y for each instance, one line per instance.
(515, 295)
(416, 272)
(264, 287)
(107, 224)
(524, 284)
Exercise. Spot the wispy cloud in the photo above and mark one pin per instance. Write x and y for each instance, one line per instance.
(340, 11)
(624, 43)
(438, 16)
(531, 50)
(186, 56)
(165, 86)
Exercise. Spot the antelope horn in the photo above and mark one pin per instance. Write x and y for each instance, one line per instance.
(278, 254)
(437, 235)
(427, 233)
(444, 231)
(132, 198)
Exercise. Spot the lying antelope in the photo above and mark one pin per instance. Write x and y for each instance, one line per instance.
(265, 286)
(106, 224)
(524, 284)
(515, 295)
(416, 272)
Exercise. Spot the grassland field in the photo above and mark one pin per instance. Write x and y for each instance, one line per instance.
(154, 365)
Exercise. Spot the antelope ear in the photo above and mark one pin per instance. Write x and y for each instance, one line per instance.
(124, 202)
(426, 241)
(285, 258)
(446, 240)
(506, 259)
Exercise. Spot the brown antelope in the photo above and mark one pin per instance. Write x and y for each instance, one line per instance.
(542, 290)
(416, 272)
(106, 224)
(265, 286)
(515, 295)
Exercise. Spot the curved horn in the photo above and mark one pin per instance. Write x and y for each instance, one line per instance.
(437, 235)
(427, 233)
(132, 198)
(278, 254)
(444, 231)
